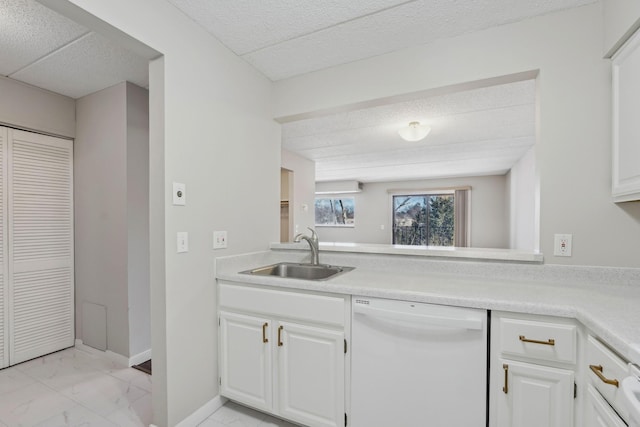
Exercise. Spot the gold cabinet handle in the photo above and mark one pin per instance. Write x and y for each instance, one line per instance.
(550, 341)
(597, 369)
(506, 378)
(264, 332)
(279, 335)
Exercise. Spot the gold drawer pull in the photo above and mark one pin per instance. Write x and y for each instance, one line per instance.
(597, 369)
(506, 378)
(264, 332)
(279, 337)
(550, 341)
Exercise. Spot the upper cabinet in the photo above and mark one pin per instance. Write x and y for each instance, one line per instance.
(626, 126)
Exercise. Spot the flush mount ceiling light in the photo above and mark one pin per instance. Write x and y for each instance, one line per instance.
(414, 132)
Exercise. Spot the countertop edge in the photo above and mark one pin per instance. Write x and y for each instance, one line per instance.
(615, 338)
(478, 254)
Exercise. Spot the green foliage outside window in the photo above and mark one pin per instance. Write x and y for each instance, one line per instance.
(425, 219)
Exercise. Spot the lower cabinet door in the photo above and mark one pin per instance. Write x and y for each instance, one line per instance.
(310, 375)
(599, 413)
(535, 396)
(245, 359)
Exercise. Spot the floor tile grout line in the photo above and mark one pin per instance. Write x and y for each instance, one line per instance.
(106, 372)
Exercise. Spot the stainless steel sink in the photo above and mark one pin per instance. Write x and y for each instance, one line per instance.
(299, 271)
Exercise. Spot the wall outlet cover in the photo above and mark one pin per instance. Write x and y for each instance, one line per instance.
(219, 239)
(562, 244)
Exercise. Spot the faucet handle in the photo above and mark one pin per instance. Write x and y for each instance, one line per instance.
(314, 235)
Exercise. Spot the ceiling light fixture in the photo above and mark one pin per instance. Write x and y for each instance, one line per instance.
(414, 132)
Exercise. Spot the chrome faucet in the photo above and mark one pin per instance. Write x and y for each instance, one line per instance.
(313, 244)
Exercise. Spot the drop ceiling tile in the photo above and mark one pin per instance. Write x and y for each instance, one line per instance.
(407, 25)
(87, 65)
(28, 31)
(422, 109)
(246, 26)
(475, 132)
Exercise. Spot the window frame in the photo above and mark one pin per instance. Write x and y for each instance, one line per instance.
(436, 191)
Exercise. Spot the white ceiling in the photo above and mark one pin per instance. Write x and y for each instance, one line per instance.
(474, 132)
(284, 38)
(44, 49)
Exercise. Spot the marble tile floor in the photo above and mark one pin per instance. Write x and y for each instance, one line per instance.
(76, 388)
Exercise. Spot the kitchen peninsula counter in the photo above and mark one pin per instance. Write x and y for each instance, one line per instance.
(604, 299)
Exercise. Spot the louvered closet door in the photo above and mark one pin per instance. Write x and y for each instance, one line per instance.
(40, 245)
(4, 289)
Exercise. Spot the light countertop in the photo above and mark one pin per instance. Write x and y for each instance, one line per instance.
(605, 300)
(424, 251)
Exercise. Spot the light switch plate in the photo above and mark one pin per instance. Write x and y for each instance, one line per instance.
(219, 239)
(179, 194)
(183, 242)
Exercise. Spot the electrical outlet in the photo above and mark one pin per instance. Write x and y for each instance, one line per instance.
(562, 244)
(219, 239)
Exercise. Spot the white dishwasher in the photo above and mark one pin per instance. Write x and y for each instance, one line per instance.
(416, 365)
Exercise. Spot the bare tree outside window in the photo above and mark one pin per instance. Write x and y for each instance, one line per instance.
(337, 212)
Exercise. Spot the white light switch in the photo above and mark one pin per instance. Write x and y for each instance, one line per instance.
(179, 194)
(219, 239)
(183, 241)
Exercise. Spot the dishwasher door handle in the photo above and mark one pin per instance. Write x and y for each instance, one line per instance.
(423, 319)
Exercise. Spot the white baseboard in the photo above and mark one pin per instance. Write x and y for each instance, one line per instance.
(202, 413)
(137, 359)
(115, 357)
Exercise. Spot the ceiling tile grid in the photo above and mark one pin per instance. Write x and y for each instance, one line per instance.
(425, 109)
(479, 131)
(247, 26)
(29, 31)
(87, 65)
(291, 37)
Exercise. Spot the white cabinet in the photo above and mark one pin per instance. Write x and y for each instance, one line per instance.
(598, 411)
(245, 359)
(626, 126)
(605, 371)
(311, 374)
(535, 396)
(283, 352)
(532, 380)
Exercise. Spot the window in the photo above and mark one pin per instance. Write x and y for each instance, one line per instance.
(334, 211)
(430, 219)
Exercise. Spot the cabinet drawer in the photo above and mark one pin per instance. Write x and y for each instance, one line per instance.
(277, 303)
(604, 369)
(538, 340)
(599, 413)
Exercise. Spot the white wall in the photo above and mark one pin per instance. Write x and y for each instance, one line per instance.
(139, 302)
(489, 226)
(573, 152)
(35, 109)
(521, 188)
(100, 211)
(215, 133)
(304, 179)
(621, 19)
(111, 181)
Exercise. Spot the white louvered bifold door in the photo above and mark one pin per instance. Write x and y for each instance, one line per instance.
(40, 228)
(4, 276)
